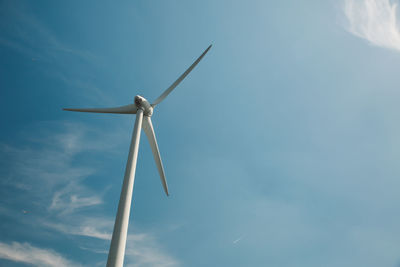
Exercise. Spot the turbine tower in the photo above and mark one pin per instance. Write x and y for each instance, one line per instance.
(143, 110)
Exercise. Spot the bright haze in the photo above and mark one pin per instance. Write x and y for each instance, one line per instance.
(281, 148)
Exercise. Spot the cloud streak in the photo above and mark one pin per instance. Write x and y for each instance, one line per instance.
(142, 248)
(46, 170)
(49, 173)
(26, 253)
(28, 35)
(375, 21)
(95, 227)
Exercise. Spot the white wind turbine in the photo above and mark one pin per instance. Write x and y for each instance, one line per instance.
(143, 110)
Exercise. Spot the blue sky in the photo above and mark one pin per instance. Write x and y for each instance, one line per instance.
(281, 147)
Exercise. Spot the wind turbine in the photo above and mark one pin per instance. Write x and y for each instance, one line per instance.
(143, 110)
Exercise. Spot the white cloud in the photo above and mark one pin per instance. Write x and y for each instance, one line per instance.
(375, 21)
(67, 201)
(26, 253)
(49, 172)
(142, 249)
(27, 34)
(95, 227)
(45, 167)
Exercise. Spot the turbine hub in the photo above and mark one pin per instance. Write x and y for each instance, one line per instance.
(144, 105)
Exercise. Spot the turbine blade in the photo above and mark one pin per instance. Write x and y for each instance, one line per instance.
(175, 84)
(149, 130)
(128, 109)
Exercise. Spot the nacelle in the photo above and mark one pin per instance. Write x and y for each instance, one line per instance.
(143, 104)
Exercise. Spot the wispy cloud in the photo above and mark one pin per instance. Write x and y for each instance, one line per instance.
(26, 253)
(46, 169)
(25, 33)
(67, 201)
(375, 21)
(142, 248)
(95, 227)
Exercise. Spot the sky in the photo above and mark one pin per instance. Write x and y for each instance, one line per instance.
(280, 148)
